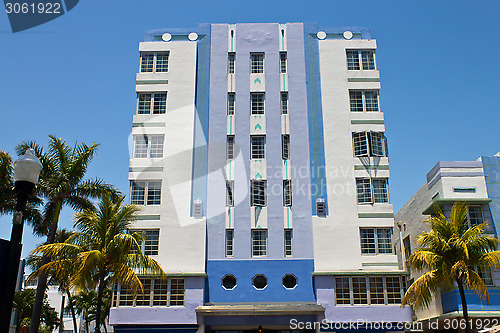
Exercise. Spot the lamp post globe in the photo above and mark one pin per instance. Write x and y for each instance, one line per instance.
(27, 169)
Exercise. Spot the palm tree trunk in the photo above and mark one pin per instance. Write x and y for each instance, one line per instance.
(464, 305)
(100, 292)
(42, 278)
(87, 329)
(73, 315)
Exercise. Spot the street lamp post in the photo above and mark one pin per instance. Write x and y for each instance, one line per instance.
(26, 171)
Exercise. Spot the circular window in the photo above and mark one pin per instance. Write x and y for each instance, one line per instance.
(289, 281)
(259, 281)
(229, 282)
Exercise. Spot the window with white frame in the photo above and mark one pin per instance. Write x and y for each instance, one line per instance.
(372, 190)
(259, 242)
(283, 57)
(258, 193)
(256, 63)
(229, 193)
(257, 146)
(475, 215)
(145, 192)
(376, 240)
(369, 144)
(148, 146)
(229, 242)
(257, 103)
(154, 62)
(230, 147)
(151, 241)
(288, 237)
(157, 292)
(285, 146)
(230, 104)
(364, 100)
(284, 103)
(287, 193)
(231, 58)
(486, 275)
(360, 59)
(157, 100)
(369, 290)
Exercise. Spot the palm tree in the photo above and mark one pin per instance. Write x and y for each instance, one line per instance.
(23, 303)
(61, 277)
(451, 252)
(62, 183)
(103, 251)
(85, 302)
(8, 197)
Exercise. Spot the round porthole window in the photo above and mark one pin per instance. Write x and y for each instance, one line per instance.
(229, 282)
(289, 281)
(259, 281)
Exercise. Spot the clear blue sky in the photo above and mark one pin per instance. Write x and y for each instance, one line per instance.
(74, 77)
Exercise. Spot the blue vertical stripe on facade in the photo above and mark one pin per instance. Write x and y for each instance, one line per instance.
(491, 167)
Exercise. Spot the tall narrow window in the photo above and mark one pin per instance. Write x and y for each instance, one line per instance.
(258, 193)
(342, 291)
(160, 103)
(287, 192)
(229, 242)
(475, 215)
(162, 62)
(380, 194)
(384, 240)
(154, 193)
(137, 192)
(177, 292)
(144, 103)
(377, 144)
(368, 60)
(230, 104)
(230, 147)
(140, 146)
(231, 57)
(257, 63)
(360, 144)
(288, 235)
(356, 100)
(352, 60)
(229, 193)
(259, 243)
(285, 146)
(284, 103)
(364, 191)
(367, 241)
(407, 246)
(371, 98)
(147, 60)
(283, 62)
(156, 146)
(393, 287)
(257, 146)
(257, 103)
(376, 290)
(359, 293)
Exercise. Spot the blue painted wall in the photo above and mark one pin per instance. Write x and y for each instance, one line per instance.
(274, 270)
(451, 301)
(491, 167)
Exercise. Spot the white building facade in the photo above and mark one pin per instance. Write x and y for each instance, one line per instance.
(260, 159)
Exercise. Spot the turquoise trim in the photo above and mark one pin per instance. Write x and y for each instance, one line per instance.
(375, 215)
(140, 82)
(145, 169)
(367, 121)
(371, 167)
(363, 79)
(148, 124)
(147, 217)
(377, 264)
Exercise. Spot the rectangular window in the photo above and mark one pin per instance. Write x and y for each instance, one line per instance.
(378, 144)
(257, 146)
(393, 286)
(369, 144)
(258, 193)
(288, 236)
(486, 275)
(475, 215)
(368, 60)
(229, 193)
(364, 100)
(230, 147)
(148, 146)
(360, 144)
(359, 293)
(160, 297)
(380, 194)
(376, 240)
(372, 190)
(230, 104)
(257, 103)
(157, 100)
(126, 298)
(151, 242)
(284, 103)
(283, 62)
(162, 62)
(407, 246)
(376, 290)
(231, 57)
(285, 146)
(176, 292)
(342, 291)
(257, 63)
(139, 189)
(287, 192)
(147, 61)
(229, 242)
(259, 243)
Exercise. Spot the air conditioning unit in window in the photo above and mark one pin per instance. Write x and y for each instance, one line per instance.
(320, 207)
(198, 209)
